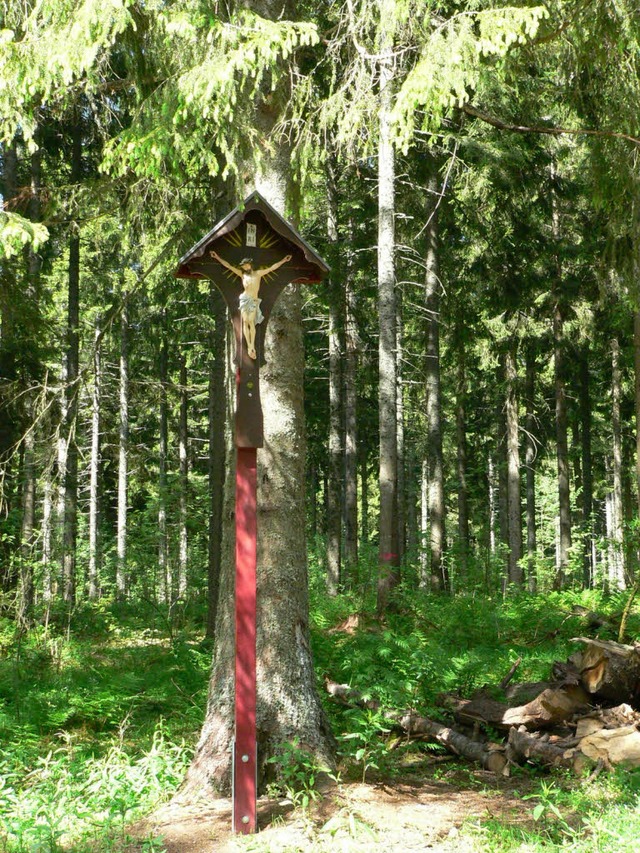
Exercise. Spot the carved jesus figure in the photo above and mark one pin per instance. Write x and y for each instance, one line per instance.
(249, 300)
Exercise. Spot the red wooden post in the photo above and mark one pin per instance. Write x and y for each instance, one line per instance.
(244, 757)
(256, 234)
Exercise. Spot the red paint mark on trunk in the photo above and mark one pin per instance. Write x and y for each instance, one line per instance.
(244, 782)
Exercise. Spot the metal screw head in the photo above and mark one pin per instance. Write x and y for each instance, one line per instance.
(245, 758)
(245, 818)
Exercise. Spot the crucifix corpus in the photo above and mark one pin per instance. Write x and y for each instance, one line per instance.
(251, 256)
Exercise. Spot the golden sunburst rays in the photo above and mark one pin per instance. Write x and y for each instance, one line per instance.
(268, 240)
(233, 239)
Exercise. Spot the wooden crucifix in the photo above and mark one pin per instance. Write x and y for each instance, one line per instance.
(251, 256)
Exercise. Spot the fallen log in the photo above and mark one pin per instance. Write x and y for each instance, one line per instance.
(413, 725)
(609, 670)
(490, 757)
(613, 746)
(524, 745)
(552, 706)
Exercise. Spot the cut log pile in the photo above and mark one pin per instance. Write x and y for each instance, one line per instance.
(587, 717)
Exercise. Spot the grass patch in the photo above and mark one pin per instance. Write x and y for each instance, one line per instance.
(97, 727)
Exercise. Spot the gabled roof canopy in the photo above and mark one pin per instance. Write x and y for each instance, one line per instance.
(317, 267)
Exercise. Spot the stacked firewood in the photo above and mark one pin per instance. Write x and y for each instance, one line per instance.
(584, 717)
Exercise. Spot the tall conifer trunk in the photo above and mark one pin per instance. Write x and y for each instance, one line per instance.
(94, 470)
(334, 484)
(387, 374)
(401, 491)
(587, 471)
(636, 366)
(183, 455)
(71, 402)
(439, 575)
(618, 573)
(513, 468)
(28, 537)
(562, 449)
(165, 581)
(288, 704)
(123, 451)
(530, 463)
(350, 430)
(461, 455)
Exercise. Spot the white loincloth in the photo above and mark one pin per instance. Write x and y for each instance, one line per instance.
(249, 304)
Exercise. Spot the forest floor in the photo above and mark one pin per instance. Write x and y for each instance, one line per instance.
(443, 814)
(99, 715)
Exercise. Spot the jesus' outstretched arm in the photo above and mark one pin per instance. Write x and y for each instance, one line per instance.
(275, 266)
(226, 264)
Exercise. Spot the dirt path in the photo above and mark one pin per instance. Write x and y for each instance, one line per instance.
(399, 816)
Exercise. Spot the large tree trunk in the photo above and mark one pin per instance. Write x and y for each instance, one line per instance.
(94, 469)
(387, 374)
(217, 455)
(123, 451)
(72, 364)
(513, 469)
(439, 578)
(288, 704)
(183, 453)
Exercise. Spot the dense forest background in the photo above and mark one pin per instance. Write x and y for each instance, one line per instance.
(472, 365)
(465, 492)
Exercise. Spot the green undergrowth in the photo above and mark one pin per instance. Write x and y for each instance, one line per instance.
(429, 645)
(98, 716)
(100, 709)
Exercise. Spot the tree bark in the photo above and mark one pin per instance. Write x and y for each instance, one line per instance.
(401, 496)
(217, 452)
(636, 365)
(515, 574)
(27, 555)
(424, 524)
(94, 470)
(387, 313)
(334, 484)
(350, 431)
(47, 530)
(288, 704)
(587, 471)
(71, 401)
(183, 455)
(562, 448)
(364, 492)
(438, 571)
(461, 455)
(27, 538)
(617, 569)
(123, 451)
(530, 463)
(166, 584)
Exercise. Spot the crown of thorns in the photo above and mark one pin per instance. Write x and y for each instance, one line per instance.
(246, 261)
